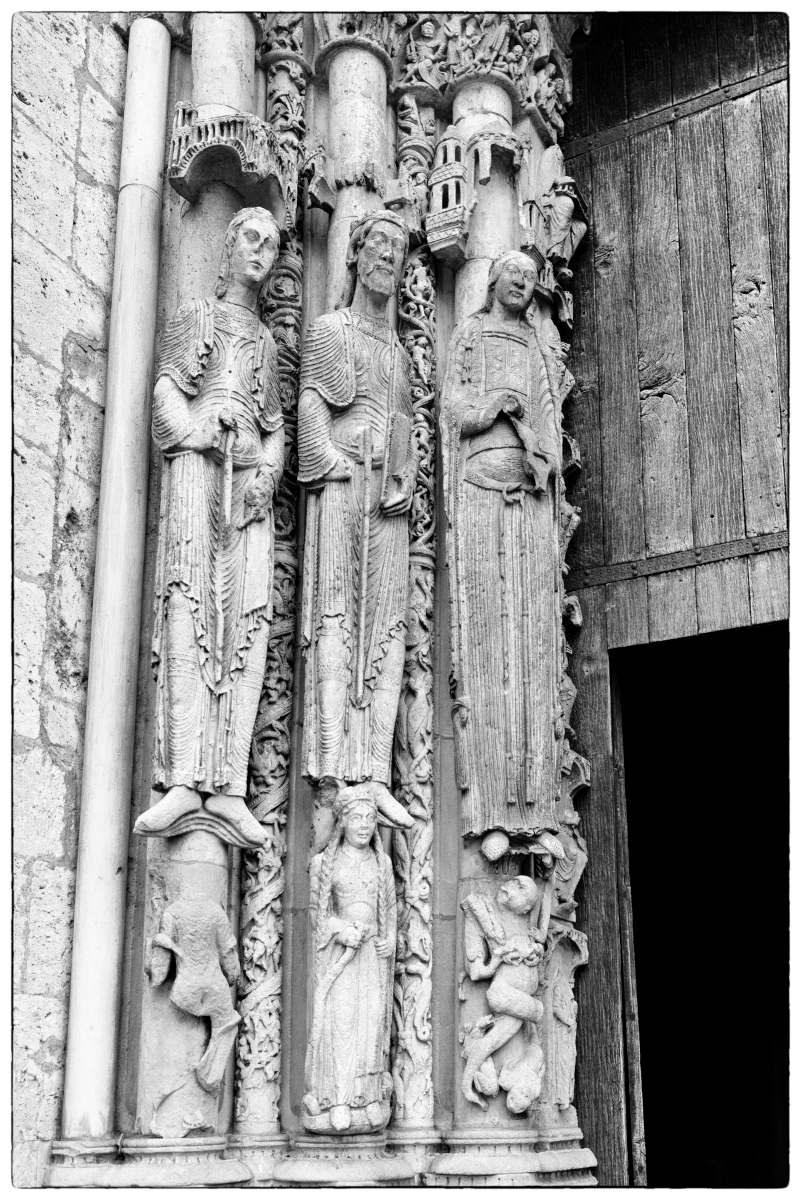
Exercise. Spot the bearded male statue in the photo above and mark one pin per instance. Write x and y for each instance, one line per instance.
(359, 465)
(217, 421)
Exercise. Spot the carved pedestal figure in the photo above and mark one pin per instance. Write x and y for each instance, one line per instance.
(357, 459)
(353, 930)
(217, 421)
(501, 452)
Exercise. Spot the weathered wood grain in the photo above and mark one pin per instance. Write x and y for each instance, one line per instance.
(769, 582)
(632, 1017)
(647, 62)
(601, 1065)
(606, 72)
(774, 141)
(772, 40)
(737, 50)
(582, 412)
(693, 54)
(660, 344)
(712, 407)
(672, 607)
(752, 308)
(616, 334)
(722, 595)
(660, 563)
(627, 613)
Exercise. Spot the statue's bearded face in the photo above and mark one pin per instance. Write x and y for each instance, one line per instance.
(253, 252)
(359, 823)
(515, 285)
(380, 261)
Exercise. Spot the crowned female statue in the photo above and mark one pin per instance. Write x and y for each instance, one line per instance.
(357, 459)
(217, 422)
(501, 447)
(353, 926)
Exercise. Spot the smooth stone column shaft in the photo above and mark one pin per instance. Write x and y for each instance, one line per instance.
(223, 56)
(116, 611)
(357, 135)
(495, 223)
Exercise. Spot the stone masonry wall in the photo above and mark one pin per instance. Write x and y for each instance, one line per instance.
(68, 89)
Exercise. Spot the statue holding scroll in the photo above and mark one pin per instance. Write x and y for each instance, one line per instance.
(358, 462)
(501, 451)
(217, 421)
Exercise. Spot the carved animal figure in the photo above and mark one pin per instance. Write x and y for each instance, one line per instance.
(512, 968)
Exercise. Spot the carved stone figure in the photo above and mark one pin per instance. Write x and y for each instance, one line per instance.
(217, 421)
(195, 932)
(506, 930)
(501, 450)
(357, 458)
(353, 931)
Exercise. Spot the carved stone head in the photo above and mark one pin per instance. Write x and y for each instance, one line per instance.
(376, 253)
(511, 281)
(519, 895)
(249, 250)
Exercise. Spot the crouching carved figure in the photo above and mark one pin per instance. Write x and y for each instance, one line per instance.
(353, 915)
(506, 930)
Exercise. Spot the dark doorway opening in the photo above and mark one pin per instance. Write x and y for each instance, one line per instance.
(705, 736)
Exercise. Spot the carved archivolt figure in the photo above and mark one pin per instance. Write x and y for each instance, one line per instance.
(217, 421)
(353, 930)
(358, 461)
(501, 452)
(514, 954)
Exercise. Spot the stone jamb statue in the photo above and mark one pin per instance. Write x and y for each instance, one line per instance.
(217, 421)
(353, 930)
(357, 460)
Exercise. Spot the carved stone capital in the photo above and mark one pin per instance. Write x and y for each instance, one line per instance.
(176, 24)
(236, 149)
(381, 32)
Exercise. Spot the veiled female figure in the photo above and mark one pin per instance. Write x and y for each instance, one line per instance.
(501, 442)
(353, 925)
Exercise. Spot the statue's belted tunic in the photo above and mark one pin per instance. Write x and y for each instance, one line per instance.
(503, 561)
(356, 377)
(214, 580)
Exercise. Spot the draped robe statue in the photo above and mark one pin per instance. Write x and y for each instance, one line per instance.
(501, 452)
(358, 462)
(354, 924)
(217, 421)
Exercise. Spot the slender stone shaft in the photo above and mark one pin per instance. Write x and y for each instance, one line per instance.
(111, 697)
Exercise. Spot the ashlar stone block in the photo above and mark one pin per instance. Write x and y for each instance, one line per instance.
(29, 635)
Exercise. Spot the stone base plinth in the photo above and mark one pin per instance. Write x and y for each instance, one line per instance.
(476, 1158)
(418, 1145)
(145, 1162)
(343, 1162)
(258, 1153)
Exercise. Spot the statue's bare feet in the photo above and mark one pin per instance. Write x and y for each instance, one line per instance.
(178, 801)
(340, 1117)
(234, 811)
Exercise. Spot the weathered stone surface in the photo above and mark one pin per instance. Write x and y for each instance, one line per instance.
(101, 136)
(82, 441)
(29, 632)
(44, 183)
(39, 802)
(49, 922)
(37, 411)
(107, 58)
(93, 234)
(34, 495)
(43, 74)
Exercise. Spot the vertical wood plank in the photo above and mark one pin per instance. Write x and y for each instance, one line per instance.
(737, 49)
(616, 333)
(583, 419)
(667, 492)
(774, 141)
(754, 337)
(722, 595)
(632, 1016)
(647, 62)
(772, 40)
(627, 613)
(600, 1063)
(577, 117)
(672, 607)
(693, 54)
(606, 72)
(769, 582)
(712, 409)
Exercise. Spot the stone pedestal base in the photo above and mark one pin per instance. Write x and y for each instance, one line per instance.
(476, 1158)
(417, 1145)
(145, 1162)
(258, 1154)
(343, 1162)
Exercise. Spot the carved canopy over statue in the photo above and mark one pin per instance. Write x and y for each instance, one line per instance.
(501, 450)
(217, 421)
(358, 461)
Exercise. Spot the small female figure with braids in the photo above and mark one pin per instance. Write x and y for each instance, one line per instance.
(353, 925)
